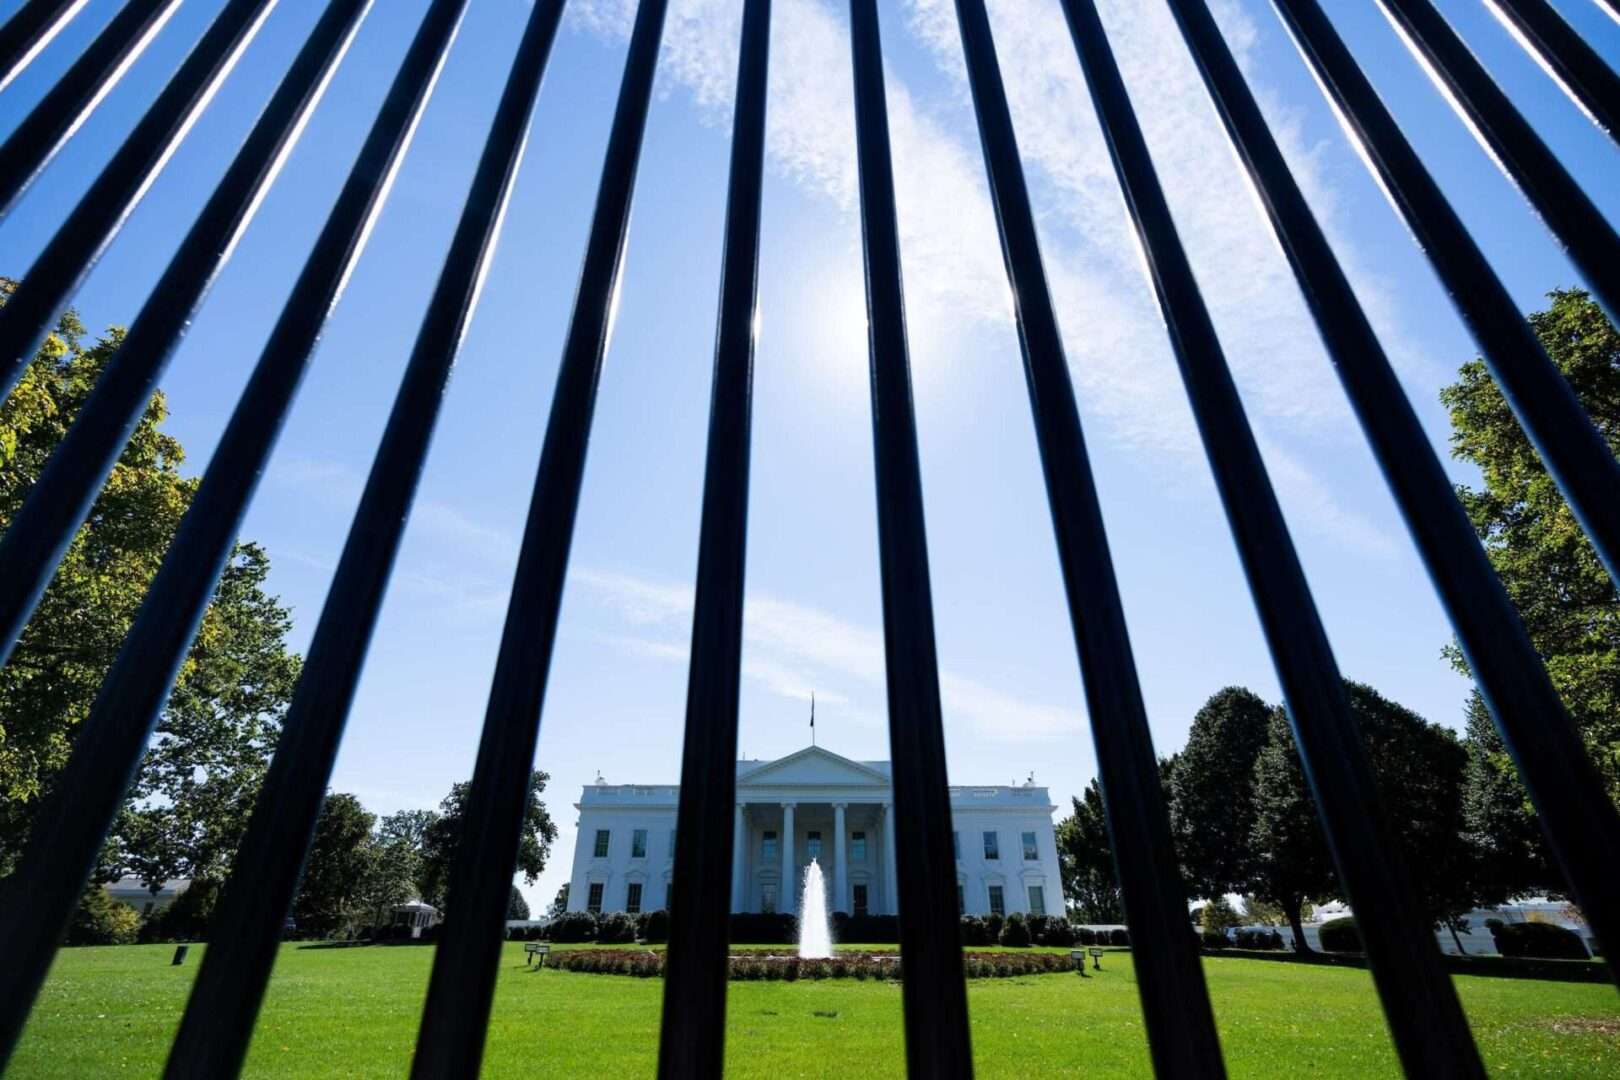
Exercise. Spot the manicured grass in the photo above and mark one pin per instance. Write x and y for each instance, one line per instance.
(354, 1013)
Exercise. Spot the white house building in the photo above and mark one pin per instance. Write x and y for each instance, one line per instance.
(814, 804)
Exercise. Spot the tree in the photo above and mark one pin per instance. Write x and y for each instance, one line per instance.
(559, 903)
(1260, 913)
(394, 867)
(516, 906)
(441, 834)
(1218, 914)
(1291, 863)
(1086, 862)
(205, 765)
(1569, 604)
(330, 892)
(1211, 792)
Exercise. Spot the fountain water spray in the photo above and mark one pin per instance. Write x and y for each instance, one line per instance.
(815, 935)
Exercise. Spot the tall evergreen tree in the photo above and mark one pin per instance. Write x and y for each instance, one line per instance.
(1086, 861)
(1211, 793)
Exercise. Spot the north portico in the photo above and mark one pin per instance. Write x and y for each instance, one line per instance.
(815, 804)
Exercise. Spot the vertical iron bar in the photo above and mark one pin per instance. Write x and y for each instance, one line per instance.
(1425, 1018)
(1578, 224)
(933, 991)
(450, 1044)
(692, 1043)
(1170, 977)
(76, 246)
(60, 500)
(1582, 827)
(32, 144)
(73, 820)
(1573, 63)
(25, 34)
(225, 999)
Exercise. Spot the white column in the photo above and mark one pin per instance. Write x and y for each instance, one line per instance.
(840, 861)
(891, 890)
(739, 853)
(790, 878)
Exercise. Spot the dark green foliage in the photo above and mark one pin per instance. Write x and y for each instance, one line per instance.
(975, 932)
(516, 906)
(1086, 861)
(1567, 601)
(1213, 939)
(101, 920)
(1050, 930)
(1250, 937)
(1341, 935)
(763, 928)
(559, 903)
(1120, 937)
(328, 897)
(187, 918)
(441, 833)
(1211, 797)
(616, 928)
(572, 926)
(653, 927)
(1536, 940)
(866, 929)
(1015, 931)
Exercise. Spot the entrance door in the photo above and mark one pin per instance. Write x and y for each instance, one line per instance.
(860, 899)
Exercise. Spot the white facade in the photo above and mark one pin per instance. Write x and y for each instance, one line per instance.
(815, 804)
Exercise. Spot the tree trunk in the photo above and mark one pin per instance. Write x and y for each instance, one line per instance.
(1292, 908)
(1453, 928)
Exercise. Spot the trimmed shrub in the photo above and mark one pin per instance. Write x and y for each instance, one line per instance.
(992, 927)
(1539, 941)
(1085, 935)
(616, 928)
(1213, 939)
(1015, 931)
(1119, 937)
(1050, 930)
(974, 931)
(763, 928)
(101, 920)
(867, 929)
(1341, 935)
(1254, 937)
(572, 926)
(653, 926)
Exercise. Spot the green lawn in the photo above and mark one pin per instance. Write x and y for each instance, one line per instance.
(354, 1012)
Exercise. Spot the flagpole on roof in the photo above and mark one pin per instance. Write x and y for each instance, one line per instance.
(812, 718)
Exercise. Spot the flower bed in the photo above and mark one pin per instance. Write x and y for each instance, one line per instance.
(645, 963)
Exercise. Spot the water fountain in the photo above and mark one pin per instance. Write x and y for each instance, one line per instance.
(815, 935)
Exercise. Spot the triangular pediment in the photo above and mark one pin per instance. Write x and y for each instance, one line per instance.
(812, 765)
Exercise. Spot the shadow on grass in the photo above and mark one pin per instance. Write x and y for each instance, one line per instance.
(1496, 967)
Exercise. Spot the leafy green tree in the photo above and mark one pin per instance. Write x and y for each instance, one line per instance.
(1211, 792)
(330, 894)
(1291, 861)
(516, 906)
(101, 920)
(559, 903)
(1569, 604)
(1218, 914)
(441, 834)
(394, 866)
(206, 762)
(1258, 912)
(1086, 862)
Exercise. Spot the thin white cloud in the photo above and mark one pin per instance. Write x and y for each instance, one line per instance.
(791, 649)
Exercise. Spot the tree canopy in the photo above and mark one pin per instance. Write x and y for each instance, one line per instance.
(1086, 861)
(1211, 798)
(441, 834)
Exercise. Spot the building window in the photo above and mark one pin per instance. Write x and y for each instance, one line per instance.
(1031, 852)
(767, 846)
(812, 844)
(961, 899)
(992, 846)
(998, 902)
(593, 901)
(956, 844)
(632, 899)
(601, 843)
(767, 897)
(857, 846)
(860, 899)
(1037, 900)
(638, 844)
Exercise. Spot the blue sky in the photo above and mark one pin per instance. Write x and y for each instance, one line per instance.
(1010, 681)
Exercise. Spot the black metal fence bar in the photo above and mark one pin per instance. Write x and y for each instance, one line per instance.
(76, 246)
(693, 1039)
(25, 34)
(1567, 57)
(1578, 224)
(72, 822)
(1582, 827)
(218, 1022)
(1170, 978)
(933, 990)
(1425, 1018)
(451, 1042)
(45, 524)
(32, 144)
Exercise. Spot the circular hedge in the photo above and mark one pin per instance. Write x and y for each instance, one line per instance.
(645, 963)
